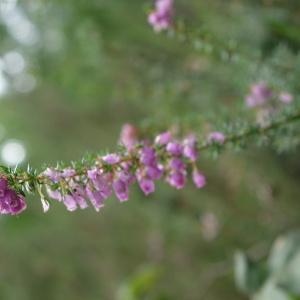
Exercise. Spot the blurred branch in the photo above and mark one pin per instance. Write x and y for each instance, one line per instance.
(256, 130)
(228, 51)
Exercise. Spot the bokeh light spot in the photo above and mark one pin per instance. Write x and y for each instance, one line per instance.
(13, 152)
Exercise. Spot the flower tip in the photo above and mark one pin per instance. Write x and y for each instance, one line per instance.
(216, 136)
(163, 138)
(147, 186)
(199, 179)
(111, 158)
(128, 136)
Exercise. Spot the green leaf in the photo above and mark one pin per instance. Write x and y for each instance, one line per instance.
(272, 292)
(284, 262)
(140, 284)
(249, 277)
(283, 250)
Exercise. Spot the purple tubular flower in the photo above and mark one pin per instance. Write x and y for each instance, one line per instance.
(56, 194)
(68, 172)
(147, 186)
(285, 97)
(216, 136)
(17, 203)
(53, 174)
(92, 174)
(174, 148)
(148, 156)
(11, 203)
(190, 148)
(177, 165)
(129, 136)
(259, 94)
(163, 138)
(121, 189)
(101, 182)
(177, 179)
(153, 172)
(127, 177)
(75, 198)
(199, 179)
(79, 196)
(111, 159)
(95, 197)
(161, 17)
(70, 202)
(126, 173)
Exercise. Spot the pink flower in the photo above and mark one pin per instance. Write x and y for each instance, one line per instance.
(52, 174)
(148, 156)
(161, 18)
(111, 159)
(216, 136)
(285, 97)
(147, 186)
(174, 148)
(176, 164)
(121, 189)
(190, 148)
(153, 172)
(177, 179)
(163, 138)
(199, 179)
(95, 197)
(129, 136)
(69, 202)
(100, 182)
(54, 194)
(11, 203)
(79, 195)
(259, 94)
(68, 172)
(127, 176)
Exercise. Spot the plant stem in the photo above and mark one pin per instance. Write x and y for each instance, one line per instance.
(256, 130)
(22, 177)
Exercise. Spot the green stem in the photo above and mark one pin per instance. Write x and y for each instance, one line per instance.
(227, 51)
(22, 177)
(256, 130)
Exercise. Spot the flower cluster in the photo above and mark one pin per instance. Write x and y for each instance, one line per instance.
(93, 181)
(11, 203)
(142, 162)
(161, 18)
(261, 95)
(266, 101)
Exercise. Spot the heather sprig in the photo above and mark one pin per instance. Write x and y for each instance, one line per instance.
(204, 41)
(93, 180)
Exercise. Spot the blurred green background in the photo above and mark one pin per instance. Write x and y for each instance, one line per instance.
(72, 72)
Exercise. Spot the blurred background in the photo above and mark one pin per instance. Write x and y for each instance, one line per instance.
(71, 73)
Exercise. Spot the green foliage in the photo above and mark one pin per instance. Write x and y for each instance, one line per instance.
(98, 65)
(280, 276)
(141, 284)
(249, 276)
